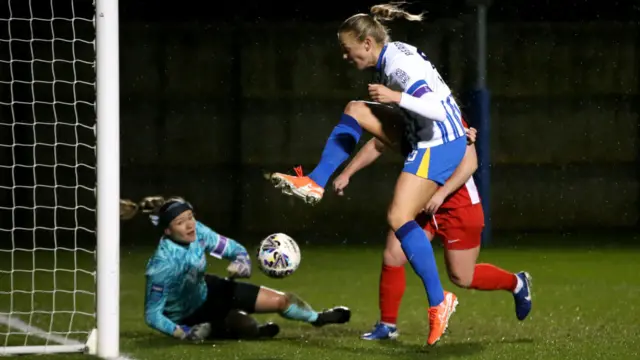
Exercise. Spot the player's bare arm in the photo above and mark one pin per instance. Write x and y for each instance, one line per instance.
(460, 176)
(369, 153)
(463, 172)
(365, 157)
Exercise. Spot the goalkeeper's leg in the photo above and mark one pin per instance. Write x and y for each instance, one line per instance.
(292, 307)
(240, 325)
(252, 298)
(225, 310)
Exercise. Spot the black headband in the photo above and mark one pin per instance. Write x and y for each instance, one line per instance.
(173, 211)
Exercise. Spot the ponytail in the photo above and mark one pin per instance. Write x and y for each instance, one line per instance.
(363, 25)
(391, 11)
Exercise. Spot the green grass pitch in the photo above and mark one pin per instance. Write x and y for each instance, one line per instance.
(585, 307)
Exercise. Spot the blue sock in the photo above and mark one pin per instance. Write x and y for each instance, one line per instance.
(417, 248)
(341, 143)
(295, 312)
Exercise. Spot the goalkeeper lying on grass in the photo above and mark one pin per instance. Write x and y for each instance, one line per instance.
(184, 302)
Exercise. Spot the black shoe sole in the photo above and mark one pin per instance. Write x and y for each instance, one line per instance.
(337, 315)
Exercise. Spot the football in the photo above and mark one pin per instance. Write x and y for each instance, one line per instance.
(278, 255)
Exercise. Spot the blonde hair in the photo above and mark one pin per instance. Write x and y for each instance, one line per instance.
(363, 25)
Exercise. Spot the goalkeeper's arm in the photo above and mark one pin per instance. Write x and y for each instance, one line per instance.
(222, 247)
(155, 299)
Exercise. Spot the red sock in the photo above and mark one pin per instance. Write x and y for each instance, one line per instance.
(489, 277)
(392, 285)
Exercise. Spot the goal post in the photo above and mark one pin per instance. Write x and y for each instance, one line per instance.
(108, 168)
(59, 177)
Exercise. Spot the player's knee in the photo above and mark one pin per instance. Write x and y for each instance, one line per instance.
(460, 278)
(396, 217)
(356, 109)
(282, 302)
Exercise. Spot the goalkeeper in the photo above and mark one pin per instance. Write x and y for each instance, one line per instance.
(184, 302)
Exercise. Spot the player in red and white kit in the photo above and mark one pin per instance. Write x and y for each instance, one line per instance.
(454, 214)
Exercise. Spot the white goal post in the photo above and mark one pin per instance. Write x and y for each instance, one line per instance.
(59, 177)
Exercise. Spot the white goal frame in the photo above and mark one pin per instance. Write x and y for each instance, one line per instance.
(108, 184)
(104, 340)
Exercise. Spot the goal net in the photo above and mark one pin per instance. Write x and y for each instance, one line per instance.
(48, 177)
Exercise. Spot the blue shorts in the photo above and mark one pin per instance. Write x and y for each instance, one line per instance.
(436, 163)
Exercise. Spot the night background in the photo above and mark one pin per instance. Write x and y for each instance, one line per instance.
(214, 95)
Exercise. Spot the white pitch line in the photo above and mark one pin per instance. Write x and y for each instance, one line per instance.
(16, 323)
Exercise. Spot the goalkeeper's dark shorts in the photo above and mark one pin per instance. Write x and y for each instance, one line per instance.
(223, 296)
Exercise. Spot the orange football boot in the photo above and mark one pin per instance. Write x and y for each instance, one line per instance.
(299, 186)
(439, 317)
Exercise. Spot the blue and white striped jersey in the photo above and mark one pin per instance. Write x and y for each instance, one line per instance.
(175, 285)
(405, 68)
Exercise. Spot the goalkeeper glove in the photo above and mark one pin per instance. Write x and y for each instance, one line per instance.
(240, 267)
(151, 204)
(195, 333)
(128, 209)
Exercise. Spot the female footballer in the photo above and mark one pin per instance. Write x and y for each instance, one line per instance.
(414, 112)
(184, 302)
(454, 214)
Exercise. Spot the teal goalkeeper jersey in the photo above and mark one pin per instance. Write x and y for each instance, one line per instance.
(175, 285)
